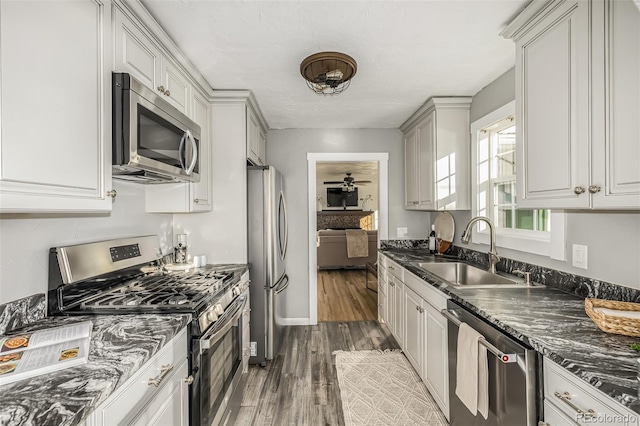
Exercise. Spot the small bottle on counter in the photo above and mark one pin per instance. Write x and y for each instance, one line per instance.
(432, 240)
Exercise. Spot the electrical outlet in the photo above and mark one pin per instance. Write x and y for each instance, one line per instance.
(254, 348)
(402, 232)
(579, 257)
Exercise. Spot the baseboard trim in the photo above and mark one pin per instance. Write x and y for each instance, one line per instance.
(295, 321)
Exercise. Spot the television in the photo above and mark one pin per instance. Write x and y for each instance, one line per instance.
(336, 197)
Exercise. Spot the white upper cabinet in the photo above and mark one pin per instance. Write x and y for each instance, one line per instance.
(437, 147)
(256, 139)
(137, 52)
(577, 62)
(55, 106)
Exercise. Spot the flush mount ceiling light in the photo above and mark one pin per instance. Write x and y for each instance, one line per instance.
(328, 73)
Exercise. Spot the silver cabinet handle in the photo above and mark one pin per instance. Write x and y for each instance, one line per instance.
(594, 189)
(167, 93)
(164, 370)
(161, 89)
(113, 193)
(566, 398)
(417, 308)
(578, 190)
(391, 267)
(195, 200)
(421, 310)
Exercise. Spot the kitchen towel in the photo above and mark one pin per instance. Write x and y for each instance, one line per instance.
(472, 375)
(357, 243)
(617, 313)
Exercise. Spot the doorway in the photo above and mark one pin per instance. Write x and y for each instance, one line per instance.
(346, 191)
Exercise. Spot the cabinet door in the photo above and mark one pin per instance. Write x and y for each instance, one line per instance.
(262, 145)
(398, 301)
(425, 162)
(171, 404)
(411, 169)
(202, 191)
(616, 175)
(436, 357)
(382, 307)
(391, 303)
(552, 108)
(134, 51)
(177, 89)
(554, 417)
(414, 317)
(55, 75)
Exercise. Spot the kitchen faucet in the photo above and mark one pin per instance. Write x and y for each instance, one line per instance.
(493, 254)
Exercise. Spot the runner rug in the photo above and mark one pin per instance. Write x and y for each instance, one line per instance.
(381, 388)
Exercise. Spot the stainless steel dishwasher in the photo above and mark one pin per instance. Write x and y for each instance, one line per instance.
(512, 374)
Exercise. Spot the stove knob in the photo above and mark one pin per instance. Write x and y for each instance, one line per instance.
(218, 309)
(236, 291)
(211, 316)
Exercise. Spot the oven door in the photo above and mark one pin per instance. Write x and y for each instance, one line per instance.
(219, 367)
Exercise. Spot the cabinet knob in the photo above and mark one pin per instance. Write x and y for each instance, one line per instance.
(167, 92)
(161, 89)
(188, 380)
(422, 310)
(113, 193)
(594, 188)
(196, 200)
(579, 190)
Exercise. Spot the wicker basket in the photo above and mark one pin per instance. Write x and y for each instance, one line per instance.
(610, 323)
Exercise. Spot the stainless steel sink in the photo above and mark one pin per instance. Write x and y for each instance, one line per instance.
(462, 275)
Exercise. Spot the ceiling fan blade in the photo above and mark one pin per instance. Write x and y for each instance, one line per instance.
(336, 182)
(362, 181)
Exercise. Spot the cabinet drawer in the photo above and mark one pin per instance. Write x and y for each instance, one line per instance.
(396, 270)
(558, 382)
(137, 392)
(433, 296)
(382, 260)
(554, 417)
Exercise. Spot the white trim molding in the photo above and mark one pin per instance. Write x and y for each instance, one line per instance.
(383, 212)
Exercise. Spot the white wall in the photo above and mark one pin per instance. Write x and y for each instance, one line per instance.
(287, 151)
(612, 238)
(25, 239)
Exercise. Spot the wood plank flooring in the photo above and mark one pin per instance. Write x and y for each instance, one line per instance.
(343, 296)
(300, 385)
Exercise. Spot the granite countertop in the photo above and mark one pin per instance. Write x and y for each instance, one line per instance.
(553, 323)
(120, 345)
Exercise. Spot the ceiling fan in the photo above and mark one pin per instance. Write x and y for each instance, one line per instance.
(347, 181)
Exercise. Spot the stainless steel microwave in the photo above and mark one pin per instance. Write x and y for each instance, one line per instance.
(153, 142)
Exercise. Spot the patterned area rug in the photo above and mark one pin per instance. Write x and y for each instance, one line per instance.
(381, 388)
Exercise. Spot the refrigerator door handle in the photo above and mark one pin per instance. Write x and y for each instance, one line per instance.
(283, 244)
(282, 284)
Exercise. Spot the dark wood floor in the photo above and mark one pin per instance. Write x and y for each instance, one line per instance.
(343, 296)
(300, 386)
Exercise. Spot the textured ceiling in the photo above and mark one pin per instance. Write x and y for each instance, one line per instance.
(407, 51)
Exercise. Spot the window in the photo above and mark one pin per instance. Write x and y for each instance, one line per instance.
(495, 191)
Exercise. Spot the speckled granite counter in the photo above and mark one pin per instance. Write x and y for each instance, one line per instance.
(552, 322)
(120, 345)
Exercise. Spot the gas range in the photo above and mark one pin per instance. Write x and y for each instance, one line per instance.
(203, 292)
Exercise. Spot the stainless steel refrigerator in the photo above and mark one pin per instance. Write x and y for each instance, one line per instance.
(267, 234)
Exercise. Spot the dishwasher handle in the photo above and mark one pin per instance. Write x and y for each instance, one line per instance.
(505, 358)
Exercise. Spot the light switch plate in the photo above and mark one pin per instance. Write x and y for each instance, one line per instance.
(579, 257)
(402, 232)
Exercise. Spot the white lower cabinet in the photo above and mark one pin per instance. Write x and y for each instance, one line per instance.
(425, 344)
(140, 402)
(398, 311)
(569, 400)
(414, 321)
(382, 294)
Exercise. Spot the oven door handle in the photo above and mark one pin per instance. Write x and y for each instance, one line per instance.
(217, 331)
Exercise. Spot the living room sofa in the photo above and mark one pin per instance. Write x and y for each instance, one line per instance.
(332, 250)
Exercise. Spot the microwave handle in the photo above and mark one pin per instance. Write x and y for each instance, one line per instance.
(194, 157)
(180, 148)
